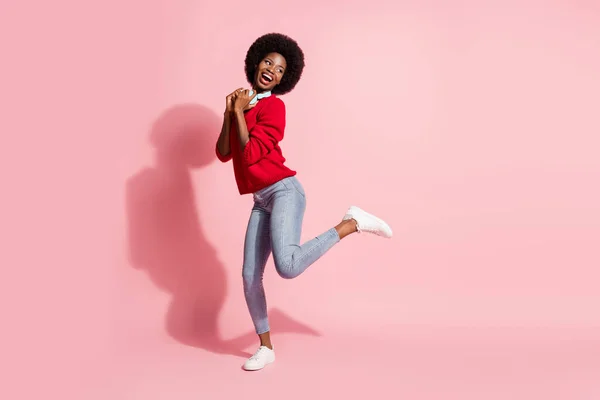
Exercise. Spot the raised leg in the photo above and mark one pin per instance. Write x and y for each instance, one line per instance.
(291, 258)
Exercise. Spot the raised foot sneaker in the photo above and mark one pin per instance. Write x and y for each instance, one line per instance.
(260, 359)
(368, 223)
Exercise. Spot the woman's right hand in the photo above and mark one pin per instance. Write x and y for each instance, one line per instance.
(230, 101)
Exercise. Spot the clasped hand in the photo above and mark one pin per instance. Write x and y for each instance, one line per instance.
(239, 101)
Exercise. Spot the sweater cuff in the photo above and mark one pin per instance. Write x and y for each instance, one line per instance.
(221, 157)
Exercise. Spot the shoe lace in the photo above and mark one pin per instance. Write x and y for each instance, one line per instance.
(258, 353)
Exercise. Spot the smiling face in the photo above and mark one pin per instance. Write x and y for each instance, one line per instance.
(269, 72)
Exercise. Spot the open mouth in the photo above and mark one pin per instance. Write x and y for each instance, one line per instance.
(265, 78)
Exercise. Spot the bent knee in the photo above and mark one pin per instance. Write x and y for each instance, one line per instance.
(286, 273)
(285, 269)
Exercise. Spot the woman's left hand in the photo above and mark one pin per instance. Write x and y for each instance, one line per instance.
(242, 101)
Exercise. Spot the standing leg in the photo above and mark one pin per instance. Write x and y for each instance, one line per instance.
(257, 247)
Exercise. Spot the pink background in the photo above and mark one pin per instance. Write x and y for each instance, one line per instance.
(471, 127)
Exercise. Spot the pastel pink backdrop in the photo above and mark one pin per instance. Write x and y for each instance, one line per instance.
(471, 127)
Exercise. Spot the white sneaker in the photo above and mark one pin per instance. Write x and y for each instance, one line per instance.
(260, 359)
(366, 222)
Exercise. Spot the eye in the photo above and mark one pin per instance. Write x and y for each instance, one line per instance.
(267, 62)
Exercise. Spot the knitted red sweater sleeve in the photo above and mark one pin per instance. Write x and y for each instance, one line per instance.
(267, 132)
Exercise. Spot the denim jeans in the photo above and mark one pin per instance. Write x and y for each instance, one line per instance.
(275, 226)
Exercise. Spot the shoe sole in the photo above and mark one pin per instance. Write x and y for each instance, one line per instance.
(257, 369)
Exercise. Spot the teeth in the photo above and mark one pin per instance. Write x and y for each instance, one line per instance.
(267, 77)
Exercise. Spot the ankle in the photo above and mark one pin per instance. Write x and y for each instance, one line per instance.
(346, 228)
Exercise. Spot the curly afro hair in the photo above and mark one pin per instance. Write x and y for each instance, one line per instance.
(284, 45)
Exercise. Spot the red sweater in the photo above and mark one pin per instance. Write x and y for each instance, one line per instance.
(261, 162)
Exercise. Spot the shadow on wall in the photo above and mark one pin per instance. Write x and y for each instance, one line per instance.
(166, 238)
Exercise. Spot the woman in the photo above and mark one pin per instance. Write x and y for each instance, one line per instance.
(253, 127)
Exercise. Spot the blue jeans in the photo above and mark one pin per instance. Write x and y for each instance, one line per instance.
(275, 226)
